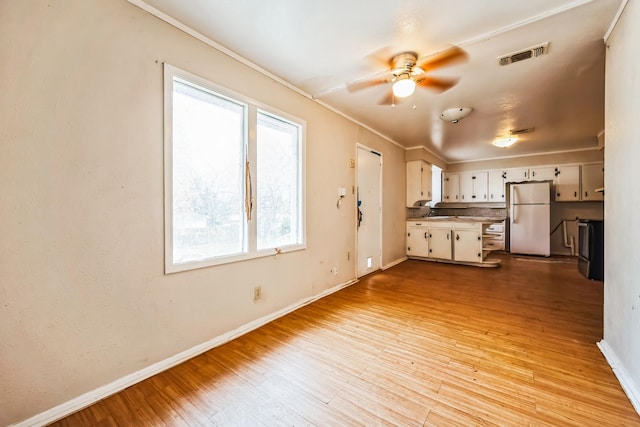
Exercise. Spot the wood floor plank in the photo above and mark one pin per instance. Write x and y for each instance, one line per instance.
(419, 344)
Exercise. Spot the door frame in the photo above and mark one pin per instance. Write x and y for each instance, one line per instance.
(360, 146)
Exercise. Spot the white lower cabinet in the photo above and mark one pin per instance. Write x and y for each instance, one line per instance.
(467, 243)
(417, 240)
(455, 241)
(440, 238)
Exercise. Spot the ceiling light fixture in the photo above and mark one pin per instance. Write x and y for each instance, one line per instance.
(403, 86)
(505, 142)
(454, 115)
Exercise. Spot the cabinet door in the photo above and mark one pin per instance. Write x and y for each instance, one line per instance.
(467, 245)
(567, 183)
(417, 241)
(496, 186)
(451, 187)
(517, 175)
(480, 187)
(466, 187)
(546, 173)
(440, 243)
(414, 182)
(418, 181)
(592, 178)
(426, 181)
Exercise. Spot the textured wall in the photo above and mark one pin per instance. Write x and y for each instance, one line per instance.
(622, 237)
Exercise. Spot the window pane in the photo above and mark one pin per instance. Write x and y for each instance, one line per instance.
(278, 182)
(208, 174)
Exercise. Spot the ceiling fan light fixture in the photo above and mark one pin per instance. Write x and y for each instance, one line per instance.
(505, 142)
(404, 86)
(454, 115)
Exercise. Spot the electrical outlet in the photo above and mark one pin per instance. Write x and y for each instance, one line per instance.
(257, 293)
(334, 270)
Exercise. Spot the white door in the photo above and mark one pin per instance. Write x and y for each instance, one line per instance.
(370, 211)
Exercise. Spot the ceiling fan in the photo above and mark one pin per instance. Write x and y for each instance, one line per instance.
(407, 70)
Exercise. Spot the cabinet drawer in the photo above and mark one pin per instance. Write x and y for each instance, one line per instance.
(440, 224)
(467, 225)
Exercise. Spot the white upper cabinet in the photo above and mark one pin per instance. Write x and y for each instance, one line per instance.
(418, 181)
(517, 175)
(571, 183)
(592, 179)
(451, 187)
(542, 173)
(474, 187)
(567, 183)
(497, 186)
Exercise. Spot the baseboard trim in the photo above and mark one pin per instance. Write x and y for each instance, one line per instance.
(630, 388)
(394, 263)
(90, 397)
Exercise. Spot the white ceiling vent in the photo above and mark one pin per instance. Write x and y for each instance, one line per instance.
(532, 52)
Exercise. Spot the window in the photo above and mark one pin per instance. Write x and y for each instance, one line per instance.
(233, 176)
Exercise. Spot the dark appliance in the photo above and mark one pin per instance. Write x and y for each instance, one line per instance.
(591, 248)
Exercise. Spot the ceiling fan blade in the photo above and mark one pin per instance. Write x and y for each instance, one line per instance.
(437, 83)
(390, 99)
(447, 57)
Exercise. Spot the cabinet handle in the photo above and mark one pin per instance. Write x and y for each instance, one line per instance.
(485, 197)
(473, 197)
(430, 250)
(408, 234)
(533, 173)
(479, 238)
(586, 194)
(575, 194)
(457, 237)
(425, 234)
(492, 196)
(429, 235)
(447, 236)
(408, 248)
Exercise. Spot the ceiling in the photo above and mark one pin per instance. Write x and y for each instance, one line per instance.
(320, 46)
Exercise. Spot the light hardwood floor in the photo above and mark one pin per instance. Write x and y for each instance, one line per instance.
(418, 344)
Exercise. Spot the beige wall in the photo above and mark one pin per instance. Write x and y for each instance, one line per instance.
(421, 153)
(622, 237)
(84, 300)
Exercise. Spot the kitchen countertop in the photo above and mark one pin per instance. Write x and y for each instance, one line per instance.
(484, 219)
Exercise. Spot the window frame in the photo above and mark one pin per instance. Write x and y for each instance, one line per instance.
(250, 155)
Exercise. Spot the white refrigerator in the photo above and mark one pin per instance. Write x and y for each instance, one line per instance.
(529, 218)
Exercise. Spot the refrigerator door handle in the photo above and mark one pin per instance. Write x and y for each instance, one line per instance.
(513, 214)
